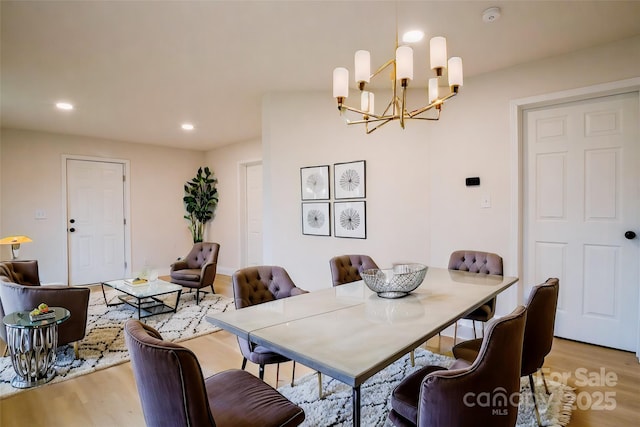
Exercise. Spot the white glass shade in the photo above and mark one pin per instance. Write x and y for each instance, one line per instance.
(366, 101)
(340, 82)
(404, 63)
(433, 89)
(455, 71)
(438, 52)
(363, 66)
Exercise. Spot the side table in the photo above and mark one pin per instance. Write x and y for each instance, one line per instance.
(32, 346)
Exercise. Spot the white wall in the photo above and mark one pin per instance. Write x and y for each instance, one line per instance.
(418, 207)
(225, 228)
(31, 179)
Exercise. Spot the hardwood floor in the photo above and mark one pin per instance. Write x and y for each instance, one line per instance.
(109, 397)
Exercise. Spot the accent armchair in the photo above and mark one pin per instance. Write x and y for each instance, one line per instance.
(197, 270)
(538, 334)
(348, 268)
(20, 290)
(439, 397)
(173, 391)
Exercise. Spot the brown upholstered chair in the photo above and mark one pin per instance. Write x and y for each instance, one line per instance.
(435, 396)
(255, 285)
(538, 334)
(348, 268)
(483, 263)
(198, 269)
(173, 391)
(20, 290)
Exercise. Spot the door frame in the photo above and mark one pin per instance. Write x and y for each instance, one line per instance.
(242, 208)
(516, 109)
(126, 201)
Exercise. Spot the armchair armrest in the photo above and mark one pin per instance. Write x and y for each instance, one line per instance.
(208, 274)
(179, 265)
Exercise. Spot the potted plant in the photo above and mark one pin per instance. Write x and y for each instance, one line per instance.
(200, 201)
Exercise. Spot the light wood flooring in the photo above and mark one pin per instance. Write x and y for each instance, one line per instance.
(109, 397)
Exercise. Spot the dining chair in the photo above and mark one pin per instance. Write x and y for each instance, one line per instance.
(256, 285)
(438, 397)
(197, 270)
(482, 263)
(174, 392)
(348, 268)
(538, 335)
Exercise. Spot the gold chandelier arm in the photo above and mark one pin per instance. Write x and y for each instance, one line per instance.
(382, 67)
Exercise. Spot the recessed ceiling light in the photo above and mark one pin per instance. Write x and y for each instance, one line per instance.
(64, 106)
(187, 126)
(412, 36)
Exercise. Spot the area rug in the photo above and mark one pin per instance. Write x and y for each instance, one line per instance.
(104, 346)
(334, 409)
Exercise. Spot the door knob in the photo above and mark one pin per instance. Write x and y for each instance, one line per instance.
(630, 235)
(72, 229)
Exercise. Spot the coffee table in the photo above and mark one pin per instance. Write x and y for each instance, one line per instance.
(145, 298)
(32, 346)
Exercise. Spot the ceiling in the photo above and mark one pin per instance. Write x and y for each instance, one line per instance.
(136, 70)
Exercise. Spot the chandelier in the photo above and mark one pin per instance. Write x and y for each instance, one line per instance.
(401, 73)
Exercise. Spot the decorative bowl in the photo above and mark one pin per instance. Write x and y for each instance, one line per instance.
(394, 282)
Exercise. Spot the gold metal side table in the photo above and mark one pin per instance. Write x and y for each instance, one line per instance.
(32, 346)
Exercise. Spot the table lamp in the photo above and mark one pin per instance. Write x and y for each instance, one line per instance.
(15, 242)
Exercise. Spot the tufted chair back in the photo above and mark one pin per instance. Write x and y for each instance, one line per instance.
(255, 285)
(24, 273)
(476, 262)
(202, 253)
(348, 268)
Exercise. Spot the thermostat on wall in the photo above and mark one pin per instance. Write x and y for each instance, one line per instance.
(473, 181)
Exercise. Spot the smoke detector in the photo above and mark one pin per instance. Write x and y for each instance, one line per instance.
(491, 15)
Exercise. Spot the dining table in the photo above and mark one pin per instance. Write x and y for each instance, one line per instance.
(350, 333)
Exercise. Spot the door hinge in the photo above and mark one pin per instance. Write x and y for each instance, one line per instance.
(125, 221)
(125, 264)
(124, 178)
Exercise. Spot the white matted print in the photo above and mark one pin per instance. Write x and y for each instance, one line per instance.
(349, 180)
(314, 182)
(316, 219)
(350, 219)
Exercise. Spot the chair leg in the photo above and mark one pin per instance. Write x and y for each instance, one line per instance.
(212, 290)
(244, 363)
(474, 329)
(455, 333)
(293, 373)
(197, 296)
(261, 372)
(277, 374)
(533, 394)
(76, 350)
(544, 381)
(413, 358)
(319, 385)
(6, 350)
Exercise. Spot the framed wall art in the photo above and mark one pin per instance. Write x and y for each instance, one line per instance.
(316, 219)
(349, 180)
(350, 219)
(314, 182)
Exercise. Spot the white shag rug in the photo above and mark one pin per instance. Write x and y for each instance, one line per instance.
(103, 345)
(334, 409)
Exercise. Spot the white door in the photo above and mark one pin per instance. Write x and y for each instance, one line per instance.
(582, 176)
(95, 221)
(254, 214)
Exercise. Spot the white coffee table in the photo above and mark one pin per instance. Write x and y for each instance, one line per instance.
(145, 298)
